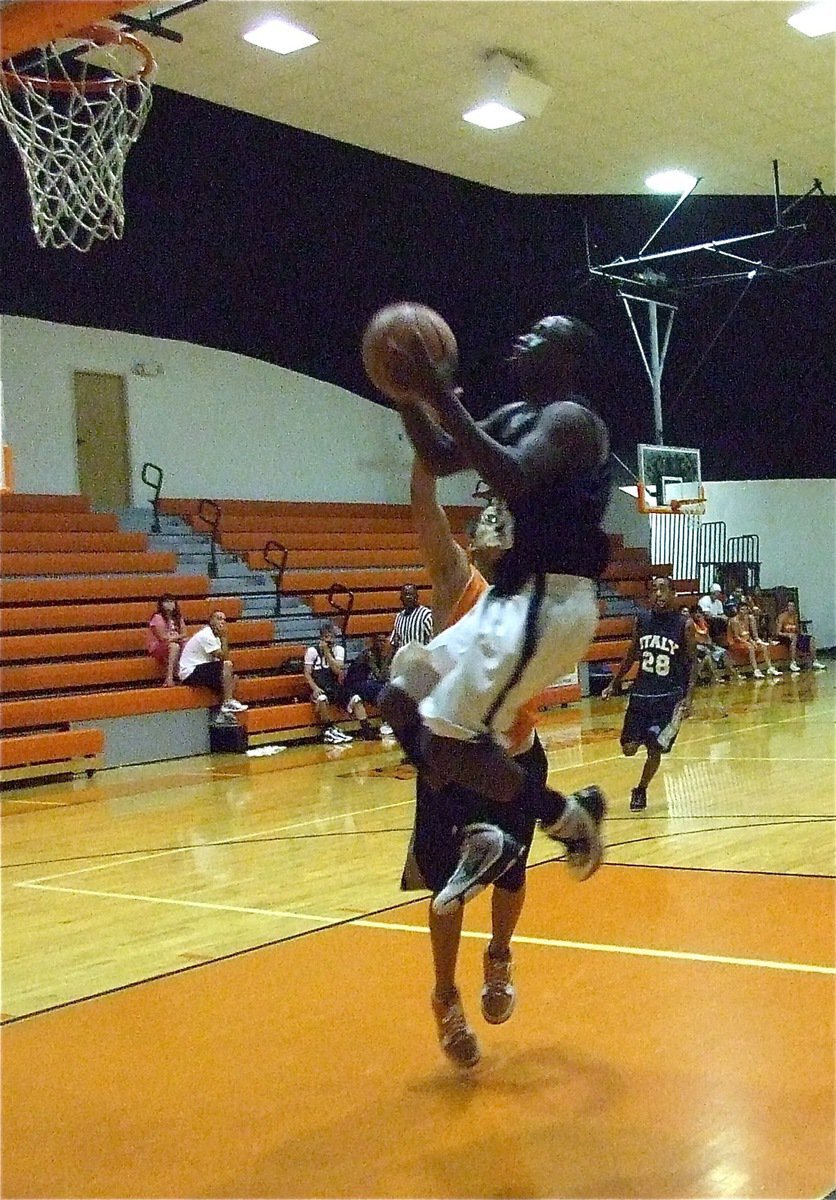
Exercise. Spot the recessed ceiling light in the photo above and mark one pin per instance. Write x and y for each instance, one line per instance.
(280, 36)
(493, 116)
(816, 19)
(670, 182)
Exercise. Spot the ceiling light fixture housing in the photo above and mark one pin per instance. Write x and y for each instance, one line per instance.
(510, 94)
(671, 183)
(816, 19)
(280, 36)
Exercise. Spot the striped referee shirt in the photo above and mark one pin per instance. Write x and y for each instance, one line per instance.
(414, 626)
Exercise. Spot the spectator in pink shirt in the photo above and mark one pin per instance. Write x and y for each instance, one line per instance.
(166, 635)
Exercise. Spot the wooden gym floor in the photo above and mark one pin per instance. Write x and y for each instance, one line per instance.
(212, 986)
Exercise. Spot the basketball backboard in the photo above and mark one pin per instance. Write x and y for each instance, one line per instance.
(668, 476)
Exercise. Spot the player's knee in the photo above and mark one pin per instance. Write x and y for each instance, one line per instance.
(629, 748)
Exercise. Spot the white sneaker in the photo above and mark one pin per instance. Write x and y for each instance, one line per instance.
(757, 674)
(817, 666)
(386, 731)
(341, 736)
(233, 706)
(772, 671)
(795, 668)
(332, 736)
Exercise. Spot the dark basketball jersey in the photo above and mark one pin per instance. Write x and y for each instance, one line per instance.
(557, 527)
(664, 666)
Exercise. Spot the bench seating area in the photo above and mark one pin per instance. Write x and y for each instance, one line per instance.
(78, 593)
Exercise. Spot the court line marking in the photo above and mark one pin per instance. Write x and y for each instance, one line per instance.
(203, 904)
(605, 948)
(397, 927)
(753, 758)
(247, 837)
(354, 813)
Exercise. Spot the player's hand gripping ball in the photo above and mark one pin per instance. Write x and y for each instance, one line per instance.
(409, 352)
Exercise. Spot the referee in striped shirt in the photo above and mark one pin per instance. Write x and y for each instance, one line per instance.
(414, 623)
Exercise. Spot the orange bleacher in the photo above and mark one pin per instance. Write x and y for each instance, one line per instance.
(78, 594)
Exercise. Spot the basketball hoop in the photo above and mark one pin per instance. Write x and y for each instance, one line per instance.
(695, 507)
(73, 109)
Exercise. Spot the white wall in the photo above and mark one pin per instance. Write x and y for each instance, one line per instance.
(222, 425)
(795, 520)
(217, 423)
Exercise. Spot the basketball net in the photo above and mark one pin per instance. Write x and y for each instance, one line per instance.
(73, 121)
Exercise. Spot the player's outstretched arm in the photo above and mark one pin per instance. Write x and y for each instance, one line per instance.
(445, 559)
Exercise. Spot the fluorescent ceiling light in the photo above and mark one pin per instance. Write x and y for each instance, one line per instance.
(493, 116)
(815, 20)
(670, 182)
(280, 36)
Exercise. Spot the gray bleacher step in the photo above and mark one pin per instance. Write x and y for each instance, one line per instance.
(174, 539)
(241, 585)
(142, 520)
(258, 606)
(293, 606)
(199, 564)
(295, 629)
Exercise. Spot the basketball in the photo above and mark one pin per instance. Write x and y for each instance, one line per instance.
(397, 325)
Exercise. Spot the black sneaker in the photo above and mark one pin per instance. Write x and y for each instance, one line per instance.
(486, 854)
(579, 829)
(638, 799)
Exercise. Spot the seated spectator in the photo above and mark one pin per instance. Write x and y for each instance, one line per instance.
(205, 662)
(715, 613)
(414, 623)
(733, 601)
(712, 658)
(166, 635)
(742, 636)
(761, 621)
(325, 673)
(368, 673)
(788, 631)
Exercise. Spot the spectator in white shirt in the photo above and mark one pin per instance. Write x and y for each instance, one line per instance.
(205, 662)
(712, 606)
(325, 673)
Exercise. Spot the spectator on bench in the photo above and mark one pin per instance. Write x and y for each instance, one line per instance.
(166, 635)
(368, 673)
(324, 670)
(788, 631)
(711, 658)
(743, 636)
(715, 613)
(205, 662)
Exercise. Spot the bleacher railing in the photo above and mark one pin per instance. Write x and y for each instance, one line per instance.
(674, 539)
(344, 610)
(277, 569)
(209, 512)
(156, 485)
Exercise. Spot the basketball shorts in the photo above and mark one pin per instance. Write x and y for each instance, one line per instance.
(652, 721)
(335, 693)
(471, 680)
(440, 817)
(208, 674)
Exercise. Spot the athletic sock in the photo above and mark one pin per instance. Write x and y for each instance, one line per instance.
(550, 806)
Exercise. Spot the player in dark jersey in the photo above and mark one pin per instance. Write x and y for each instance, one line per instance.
(665, 647)
(452, 703)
